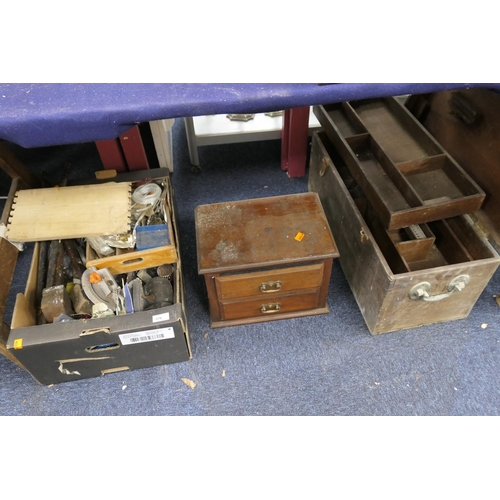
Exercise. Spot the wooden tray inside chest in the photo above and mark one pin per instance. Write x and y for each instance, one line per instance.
(407, 176)
(445, 242)
(419, 246)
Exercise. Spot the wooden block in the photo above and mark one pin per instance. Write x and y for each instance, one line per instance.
(105, 174)
(56, 301)
(70, 212)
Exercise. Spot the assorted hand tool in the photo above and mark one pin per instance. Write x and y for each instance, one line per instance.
(66, 289)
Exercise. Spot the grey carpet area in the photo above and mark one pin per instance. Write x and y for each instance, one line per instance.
(322, 365)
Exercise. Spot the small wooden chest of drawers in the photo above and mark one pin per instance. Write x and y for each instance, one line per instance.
(265, 259)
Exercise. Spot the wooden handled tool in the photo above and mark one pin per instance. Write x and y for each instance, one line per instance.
(55, 299)
(81, 303)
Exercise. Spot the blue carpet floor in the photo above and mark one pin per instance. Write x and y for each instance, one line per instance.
(324, 365)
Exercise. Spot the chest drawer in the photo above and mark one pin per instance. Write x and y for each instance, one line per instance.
(265, 307)
(269, 283)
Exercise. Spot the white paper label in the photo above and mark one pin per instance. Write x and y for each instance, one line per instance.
(147, 336)
(161, 317)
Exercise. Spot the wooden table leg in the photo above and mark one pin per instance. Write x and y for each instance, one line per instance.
(294, 141)
(10, 164)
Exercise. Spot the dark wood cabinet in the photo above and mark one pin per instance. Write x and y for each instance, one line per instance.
(265, 259)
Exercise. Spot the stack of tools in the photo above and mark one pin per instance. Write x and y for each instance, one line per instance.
(139, 291)
(59, 291)
(114, 220)
(66, 290)
(148, 224)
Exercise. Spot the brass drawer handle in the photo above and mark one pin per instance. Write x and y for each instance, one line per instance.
(270, 287)
(270, 308)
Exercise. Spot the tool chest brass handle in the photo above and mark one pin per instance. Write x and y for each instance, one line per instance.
(270, 287)
(270, 308)
(421, 290)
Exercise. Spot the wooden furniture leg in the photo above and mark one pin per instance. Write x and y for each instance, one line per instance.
(10, 164)
(191, 140)
(294, 141)
(125, 153)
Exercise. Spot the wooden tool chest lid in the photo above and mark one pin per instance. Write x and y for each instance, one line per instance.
(70, 212)
(275, 230)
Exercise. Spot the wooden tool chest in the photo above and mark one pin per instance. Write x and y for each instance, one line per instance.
(404, 172)
(467, 124)
(94, 346)
(265, 259)
(425, 273)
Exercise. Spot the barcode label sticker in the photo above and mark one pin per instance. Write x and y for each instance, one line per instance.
(161, 317)
(147, 336)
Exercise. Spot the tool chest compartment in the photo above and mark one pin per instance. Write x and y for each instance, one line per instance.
(142, 327)
(405, 173)
(264, 259)
(400, 278)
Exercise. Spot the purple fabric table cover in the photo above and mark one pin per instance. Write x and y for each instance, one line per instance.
(36, 115)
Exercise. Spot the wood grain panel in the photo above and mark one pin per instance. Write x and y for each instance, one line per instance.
(70, 212)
